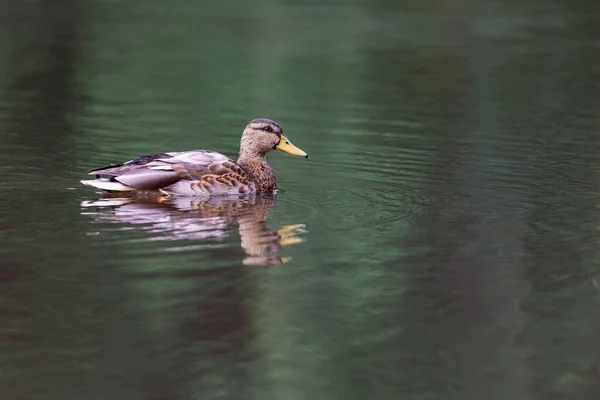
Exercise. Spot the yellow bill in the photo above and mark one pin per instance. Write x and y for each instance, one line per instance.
(287, 146)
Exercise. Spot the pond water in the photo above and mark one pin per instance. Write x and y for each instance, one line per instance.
(441, 242)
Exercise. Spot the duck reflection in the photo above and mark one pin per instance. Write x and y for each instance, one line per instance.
(191, 218)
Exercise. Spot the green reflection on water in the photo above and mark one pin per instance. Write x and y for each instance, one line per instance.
(449, 203)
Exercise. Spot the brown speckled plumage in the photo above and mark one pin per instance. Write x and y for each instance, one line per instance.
(262, 174)
(202, 172)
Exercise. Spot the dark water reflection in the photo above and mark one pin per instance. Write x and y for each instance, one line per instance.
(199, 220)
(441, 242)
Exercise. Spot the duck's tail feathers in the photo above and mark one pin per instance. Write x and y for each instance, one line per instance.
(107, 184)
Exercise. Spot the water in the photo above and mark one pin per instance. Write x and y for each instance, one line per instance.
(441, 242)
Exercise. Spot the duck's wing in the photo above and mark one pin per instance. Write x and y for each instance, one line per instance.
(190, 172)
(120, 169)
(204, 173)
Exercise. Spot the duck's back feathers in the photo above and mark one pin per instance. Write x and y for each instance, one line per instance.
(190, 173)
(119, 169)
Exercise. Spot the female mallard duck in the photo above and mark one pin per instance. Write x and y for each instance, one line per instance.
(202, 172)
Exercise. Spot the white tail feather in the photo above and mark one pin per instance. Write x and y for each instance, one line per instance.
(105, 184)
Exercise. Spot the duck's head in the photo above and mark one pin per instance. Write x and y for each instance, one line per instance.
(263, 135)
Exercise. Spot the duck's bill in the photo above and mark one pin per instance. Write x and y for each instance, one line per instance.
(287, 146)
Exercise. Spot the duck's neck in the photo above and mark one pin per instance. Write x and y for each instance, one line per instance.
(259, 171)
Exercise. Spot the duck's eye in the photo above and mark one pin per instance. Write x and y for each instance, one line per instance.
(267, 128)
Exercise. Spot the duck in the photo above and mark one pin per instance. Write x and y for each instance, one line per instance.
(202, 172)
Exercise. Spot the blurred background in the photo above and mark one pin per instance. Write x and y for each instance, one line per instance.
(441, 242)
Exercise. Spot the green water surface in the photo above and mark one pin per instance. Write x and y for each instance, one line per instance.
(441, 242)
